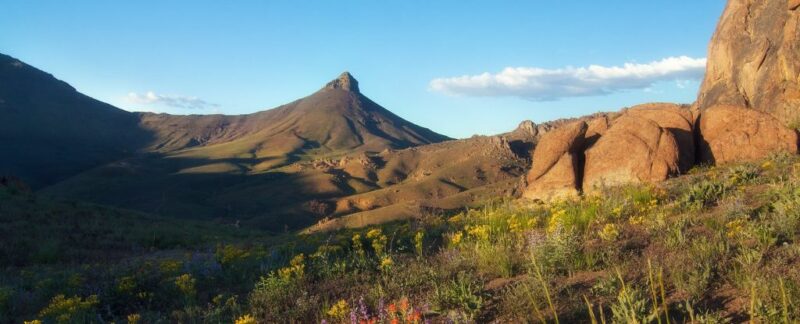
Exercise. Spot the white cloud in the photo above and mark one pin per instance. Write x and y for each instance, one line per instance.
(553, 84)
(181, 102)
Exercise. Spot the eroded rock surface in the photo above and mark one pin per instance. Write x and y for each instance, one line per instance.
(676, 119)
(729, 133)
(633, 150)
(754, 59)
(556, 170)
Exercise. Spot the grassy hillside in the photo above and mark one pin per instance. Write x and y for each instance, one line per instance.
(716, 245)
(51, 247)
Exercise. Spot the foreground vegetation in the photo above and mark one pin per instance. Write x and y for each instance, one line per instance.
(716, 245)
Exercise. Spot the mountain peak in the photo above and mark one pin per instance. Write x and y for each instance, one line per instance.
(345, 81)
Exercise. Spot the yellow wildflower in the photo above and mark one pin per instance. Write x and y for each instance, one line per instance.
(134, 318)
(228, 254)
(36, 321)
(358, 247)
(339, 310)
(185, 284)
(480, 232)
(68, 309)
(636, 220)
(766, 165)
(170, 266)
(513, 225)
(126, 284)
(246, 319)
(556, 220)
(378, 240)
(455, 238)
(373, 233)
(735, 227)
(456, 219)
(386, 263)
(610, 232)
(296, 268)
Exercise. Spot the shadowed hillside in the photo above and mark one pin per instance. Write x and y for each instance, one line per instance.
(50, 131)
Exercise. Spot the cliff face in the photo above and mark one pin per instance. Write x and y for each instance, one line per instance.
(754, 59)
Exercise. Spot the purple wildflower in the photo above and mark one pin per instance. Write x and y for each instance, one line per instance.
(362, 308)
(381, 310)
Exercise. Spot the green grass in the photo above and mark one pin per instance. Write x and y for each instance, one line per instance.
(719, 244)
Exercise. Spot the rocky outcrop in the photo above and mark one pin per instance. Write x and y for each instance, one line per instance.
(676, 119)
(754, 59)
(596, 128)
(729, 133)
(633, 150)
(750, 93)
(557, 162)
(345, 81)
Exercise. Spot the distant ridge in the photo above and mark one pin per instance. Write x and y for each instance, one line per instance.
(336, 118)
(52, 132)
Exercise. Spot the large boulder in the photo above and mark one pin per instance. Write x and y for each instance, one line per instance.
(556, 169)
(633, 150)
(597, 127)
(754, 59)
(729, 133)
(678, 120)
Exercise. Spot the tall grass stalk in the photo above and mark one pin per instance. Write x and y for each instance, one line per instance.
(536, 310)
(652, 285)
(591, 310)
(602, 315)
(663, 294)
(785, 302)
(752, 303)
(540, 277)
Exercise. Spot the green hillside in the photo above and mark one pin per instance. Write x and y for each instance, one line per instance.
(716, 245)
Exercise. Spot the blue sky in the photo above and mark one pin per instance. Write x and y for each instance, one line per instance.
(238, 57)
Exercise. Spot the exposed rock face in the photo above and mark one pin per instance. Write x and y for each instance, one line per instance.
(676, 119)
(633, 150)
(556, 171)
(754, 59)
(731, 133)
(597, 127)
(345, 81)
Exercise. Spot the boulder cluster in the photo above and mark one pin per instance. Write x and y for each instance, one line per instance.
(649, 143)
(750, 93)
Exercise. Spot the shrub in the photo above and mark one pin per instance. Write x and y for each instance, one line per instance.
(64, 309)
(460, 294)
(186, 285)
(495, 259)
(702, 194)
(278, 299)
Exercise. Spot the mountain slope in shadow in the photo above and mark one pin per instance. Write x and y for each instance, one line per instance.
(50, 131)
